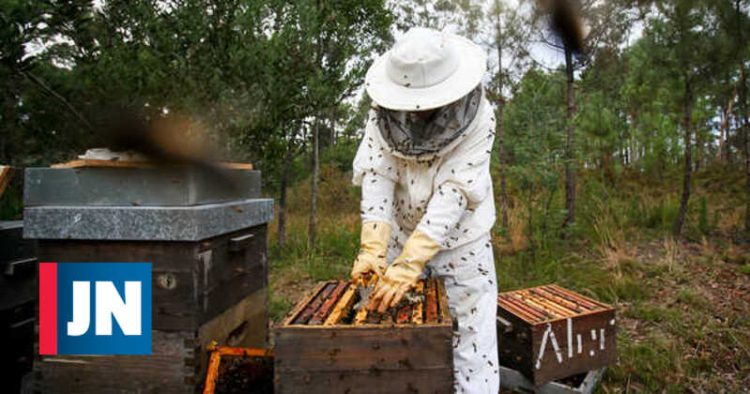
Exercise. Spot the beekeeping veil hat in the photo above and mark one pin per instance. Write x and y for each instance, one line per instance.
(425, 69)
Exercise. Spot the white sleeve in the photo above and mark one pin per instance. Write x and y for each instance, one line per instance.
(377, 198)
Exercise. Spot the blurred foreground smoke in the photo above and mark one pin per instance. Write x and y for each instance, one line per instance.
(565, 21)
(164, 141)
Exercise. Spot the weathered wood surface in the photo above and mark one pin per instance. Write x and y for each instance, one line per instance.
(6, 172)
(431, 301)
(380, 354)
(442, 300)
(302, 304)
(367, 382)
(549, 332)
(178, 363)
(192, 281)
(343, 305)
(83, 163)
(334, 359)
(308, 312)
(418, 309)
(168, 370)
(244, 325)
(325, 309)
(332, 303)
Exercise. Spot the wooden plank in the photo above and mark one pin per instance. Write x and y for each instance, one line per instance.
(533, 315)
(342, 306)
(83, 163)
(213, 372)
(244, 351)
(373, 381)
(322, 313)
(531, 305)
(574, 306)
(551, 305)
(347, 348)
(302, 304)
(587, 302)
(243, 325)
(169, 369)
(315, 304)
(431, 303)
(88, 163)
(418, 310)
(443, 312)
(6, 172)
(507, 305)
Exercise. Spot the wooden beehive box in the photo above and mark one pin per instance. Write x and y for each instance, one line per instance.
(549, 332)
(207, 246)
(212, 290)
(324, 345)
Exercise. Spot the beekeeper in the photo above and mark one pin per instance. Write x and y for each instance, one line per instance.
(427, 201)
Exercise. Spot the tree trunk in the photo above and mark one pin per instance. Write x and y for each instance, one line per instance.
(698, 150)
(500, 129)
(285, 172)
(688, 170)
(312, 225)
(570, 175)
(745, 111)
(333, 127)
(723, 151)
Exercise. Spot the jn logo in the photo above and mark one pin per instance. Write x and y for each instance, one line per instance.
(95, 308)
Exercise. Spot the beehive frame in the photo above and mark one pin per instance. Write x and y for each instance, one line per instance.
(332, 303)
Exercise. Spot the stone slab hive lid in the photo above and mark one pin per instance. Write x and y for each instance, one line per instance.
(117, 201)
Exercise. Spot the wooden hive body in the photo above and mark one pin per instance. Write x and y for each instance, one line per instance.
(205, 239)
(344, 350)
(548, 333)
(202, 291)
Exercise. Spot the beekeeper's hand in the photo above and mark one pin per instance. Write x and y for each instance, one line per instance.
(373, 248)
(404, 273)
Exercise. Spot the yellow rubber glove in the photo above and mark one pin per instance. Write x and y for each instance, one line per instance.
(403, 274)
(373, 245)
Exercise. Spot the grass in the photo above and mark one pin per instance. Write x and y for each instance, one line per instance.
(683, 304)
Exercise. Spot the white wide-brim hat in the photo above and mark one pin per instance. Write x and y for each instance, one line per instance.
(425, 69)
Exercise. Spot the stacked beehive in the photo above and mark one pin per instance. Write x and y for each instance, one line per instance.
(17, 302)
(207, 246)
(326, 344)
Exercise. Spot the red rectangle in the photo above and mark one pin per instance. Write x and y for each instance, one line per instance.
(48, 308)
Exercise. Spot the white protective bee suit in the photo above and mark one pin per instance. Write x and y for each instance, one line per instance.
(446, 195)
